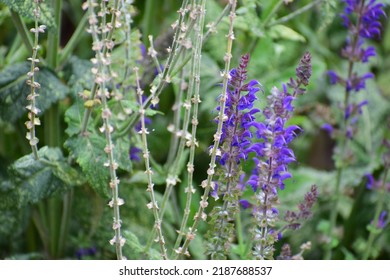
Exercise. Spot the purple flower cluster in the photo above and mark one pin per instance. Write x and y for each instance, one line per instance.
(361, 18)
(273, 155)
(239, 114)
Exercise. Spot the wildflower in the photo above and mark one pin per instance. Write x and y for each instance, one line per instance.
(272, 157)
(235, 141)
(361, 18)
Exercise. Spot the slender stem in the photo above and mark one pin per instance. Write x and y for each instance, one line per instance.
(207, 184)
(108, 37)
(294, 14)
(379, 208)
(101, 80)
(176, 120)
(240, 236)
(33, 110)
(53, 39)
(173, 71)
(74, 40)
(148, 19)
(153, 54)
(195, 79)
(23, 31)
(342, 144)
(153, 204)
(272, 12)
(65, 220)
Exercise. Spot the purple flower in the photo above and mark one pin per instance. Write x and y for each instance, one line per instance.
(245, 204)
(328, 128)
(362, 19)
(382, 220)
(134, 154)
(239, 113)
(333, 77)
(85, 252)
(273, 155)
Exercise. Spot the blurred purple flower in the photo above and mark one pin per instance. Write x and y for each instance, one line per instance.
(370, 181)
(382, 220)
(245, 203)
(83, 252)
(134, 154)
(362, 19)
(328, 128)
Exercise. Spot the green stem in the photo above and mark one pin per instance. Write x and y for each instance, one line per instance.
(333, 214)
(379, 208)
(294, 14)
(272, 12)
(343, 144)
(240, 237)
(88, 111)
(22, 30)
(74, 40)
(148, 20)
(210, 172)
(40, 222)
(65, 220)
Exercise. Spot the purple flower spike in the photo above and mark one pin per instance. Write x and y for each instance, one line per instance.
(362, 19)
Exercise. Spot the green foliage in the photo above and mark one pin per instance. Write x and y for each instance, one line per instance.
(78, 75)
(89, 154)
(25, 9)
(34, 180)
(14, 90)
(61, 199)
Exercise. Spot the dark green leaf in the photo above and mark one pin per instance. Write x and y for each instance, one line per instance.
(25, 9)
(121, 153)
(89, 153)
(78, 75)
(133, 250)
(34, 180)
(14, 90)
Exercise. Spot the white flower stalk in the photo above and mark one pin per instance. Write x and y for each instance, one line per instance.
(33, 119)
(153, 203)
(101, 44)
(207, 184)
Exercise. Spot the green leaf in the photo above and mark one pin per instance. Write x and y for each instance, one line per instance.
(283, 32)
(133, 249)
(375, 230)
(78, 75)
(348, 254)
(34, 180)
(89, 153)
(121, 153)
(14, 90)
(25, 8)
(73, 117)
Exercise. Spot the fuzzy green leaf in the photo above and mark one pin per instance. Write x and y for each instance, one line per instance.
(14, 90)
(90, 155)
(78, 75)
(25, 9)
(34, 180)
